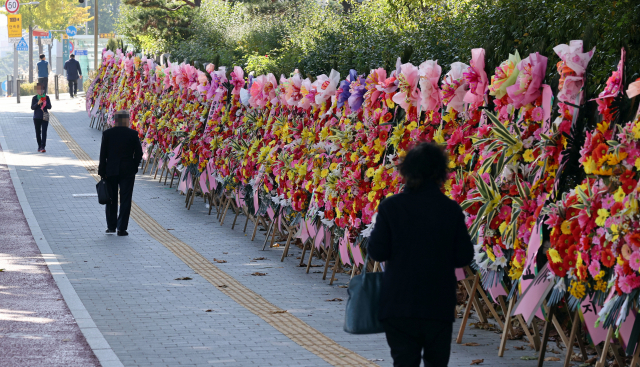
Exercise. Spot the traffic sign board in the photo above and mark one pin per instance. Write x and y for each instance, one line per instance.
(14, 24)
(82, 53)
(40, 33)
(4, 86)
(22, 45)
(12, 6)
(71, 31)
(14, 40)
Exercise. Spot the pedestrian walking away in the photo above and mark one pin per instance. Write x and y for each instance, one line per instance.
(43, 72)
(120, 156)
(74, 72)
(422, 237)
(41, 104)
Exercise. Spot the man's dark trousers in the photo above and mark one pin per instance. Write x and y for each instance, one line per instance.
(73, 87)
(408, 337)
(115, 221)
(41, 132)
(45, 83)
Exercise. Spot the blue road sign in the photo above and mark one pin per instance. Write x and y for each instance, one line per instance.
(81, 53)
(22, 45)
(4, 86)
(71, 31)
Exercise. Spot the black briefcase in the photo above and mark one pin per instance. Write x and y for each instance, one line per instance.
(103, 193)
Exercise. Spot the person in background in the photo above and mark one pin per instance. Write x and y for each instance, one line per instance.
(40, 104)
(74, 72)
(43, 72)
(120, 156)
(421, 236)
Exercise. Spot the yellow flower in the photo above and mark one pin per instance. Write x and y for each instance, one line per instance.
(502, 227)
(324, 173)
(555, 256)
(371, 196)
(354, 157)
(619, 195)
(577, 289)
(467, 158)
(566, 227)
(528, 155)
(370, 172)
(603, 214)
(412, 126)
(461, 149)
(359, 126)
(589, 166)
(490, 254)
(638, 163)
(333, 166)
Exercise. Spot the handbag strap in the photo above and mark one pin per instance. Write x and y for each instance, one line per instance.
(364, 267)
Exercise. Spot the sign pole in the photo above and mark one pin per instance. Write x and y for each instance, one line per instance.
(95, 37)
(15, 72)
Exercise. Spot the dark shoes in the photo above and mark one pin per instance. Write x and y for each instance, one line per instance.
(110, 231)
(123, 233)
(41, 150)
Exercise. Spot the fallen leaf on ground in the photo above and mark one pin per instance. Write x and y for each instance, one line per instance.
(170, 229)
(259, 258)
(208, 310)
(220, 261)
(183, 278)
(224, 253)
(223, 286)
(276, 245)
(1, 270)
(472, 344)
(529, 358)
(335, 300)
(343, 286)
(258, 274)
(280, 311)
(551, 359)
(376, 359)
(591, 360)
(477, 361)
(519, 348)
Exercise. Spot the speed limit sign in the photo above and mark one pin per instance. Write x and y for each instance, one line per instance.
(12, 6)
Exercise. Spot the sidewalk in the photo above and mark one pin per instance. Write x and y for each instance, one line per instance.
(36, 326)
(129, 287)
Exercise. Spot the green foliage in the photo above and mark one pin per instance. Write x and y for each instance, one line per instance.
(316, 37)
(107, 15)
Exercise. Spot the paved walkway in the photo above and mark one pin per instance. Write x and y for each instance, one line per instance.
(128, 287)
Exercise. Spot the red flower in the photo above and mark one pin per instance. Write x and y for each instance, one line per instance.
(599, 152)
(616, 208)
(607, 258)
(627, 175)
(558, 268)
(634, 238)
(628, 185)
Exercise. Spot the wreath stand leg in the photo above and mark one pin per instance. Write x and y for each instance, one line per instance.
(474, 296)
(173, 175)
(326, 264)
(575, 328)
(237, 211)
(507, 327)
(335, 269)
(196, 187)
(636, 357)
(467, 309)
(223, 203)
(304, 251)
(286, 247)
(255, 227)
(226, 209)
(605, 349)
(270, 228)
(164, 166)
(313, 248)
(157, 167)
(534, 338)
(556, 324)
(545, 335)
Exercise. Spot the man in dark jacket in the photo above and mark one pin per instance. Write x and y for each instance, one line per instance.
(43, 72)
(120, 156)
(41, 104)
(422, 237)
(74, 71)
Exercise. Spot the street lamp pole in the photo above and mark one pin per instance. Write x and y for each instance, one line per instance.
(95, 37)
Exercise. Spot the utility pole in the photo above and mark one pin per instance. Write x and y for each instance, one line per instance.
(95, 37)
(30, 53)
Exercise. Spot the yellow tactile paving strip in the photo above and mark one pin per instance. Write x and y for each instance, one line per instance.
(289, 325)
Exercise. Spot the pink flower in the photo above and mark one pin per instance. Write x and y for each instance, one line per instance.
(594, 268)
(476, 77)
(537, 114)
(429, 75)
(527, 87)
(624, 285)
(409, 94)
(634, 260)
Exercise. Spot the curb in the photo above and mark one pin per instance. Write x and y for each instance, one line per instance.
(98, 344)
